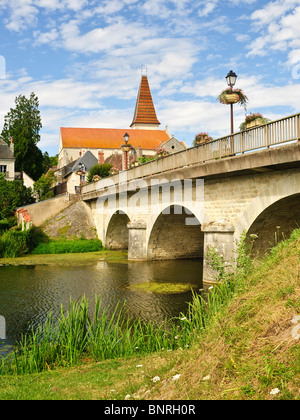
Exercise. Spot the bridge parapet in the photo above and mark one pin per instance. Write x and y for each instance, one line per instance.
(258, 139)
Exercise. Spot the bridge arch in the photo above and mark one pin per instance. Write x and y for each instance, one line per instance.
(175, 235)
(117, 232)
(277, 206)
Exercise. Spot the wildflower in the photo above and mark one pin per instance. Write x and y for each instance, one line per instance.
(139, 365)
(156, 379)
(275, 391)
(206, 378)
(175, 377)
(127, 397)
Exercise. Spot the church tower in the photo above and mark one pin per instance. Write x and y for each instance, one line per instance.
(144, 115)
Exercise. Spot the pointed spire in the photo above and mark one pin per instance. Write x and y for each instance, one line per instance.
(144, 114)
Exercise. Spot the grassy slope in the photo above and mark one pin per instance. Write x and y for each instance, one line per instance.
(246, 353)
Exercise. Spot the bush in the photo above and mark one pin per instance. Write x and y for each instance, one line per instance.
(15, 243)
(102, 170)
(66, 247)
(13, 194)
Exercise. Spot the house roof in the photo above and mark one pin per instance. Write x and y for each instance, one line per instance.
(110, 138)
(144, 110)
(5, 151)
(115, 160)
(88, 160)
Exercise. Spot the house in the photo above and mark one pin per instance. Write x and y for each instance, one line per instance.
(26, 179)
(7, 160)
(173, 145)
(143, 133)
(74, 174)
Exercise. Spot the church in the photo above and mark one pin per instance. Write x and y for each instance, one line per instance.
(104, 143)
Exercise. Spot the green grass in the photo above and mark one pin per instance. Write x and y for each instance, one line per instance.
(15, 243)
(68, 246)
(68, 259)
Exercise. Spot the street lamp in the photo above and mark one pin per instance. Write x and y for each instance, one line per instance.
(126, 149)
(231, 80)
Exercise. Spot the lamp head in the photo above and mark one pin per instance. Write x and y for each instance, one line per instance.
(231, 78)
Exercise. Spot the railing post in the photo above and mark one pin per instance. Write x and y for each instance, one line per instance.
(298, 128)
(268, 140)
(243, 142)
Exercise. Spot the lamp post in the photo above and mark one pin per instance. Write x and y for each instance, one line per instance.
(125, 149)
(231, 80)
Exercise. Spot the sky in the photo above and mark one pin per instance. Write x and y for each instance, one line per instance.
(84, 60)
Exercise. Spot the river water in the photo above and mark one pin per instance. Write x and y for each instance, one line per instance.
(29, 293)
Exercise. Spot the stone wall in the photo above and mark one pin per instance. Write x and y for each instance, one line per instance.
(275, 223)
(46, 209)
(117, 232)
(171, 238)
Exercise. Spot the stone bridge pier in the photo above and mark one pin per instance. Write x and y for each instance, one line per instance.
(207, 205)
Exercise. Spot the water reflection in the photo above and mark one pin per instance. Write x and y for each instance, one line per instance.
(28, 294)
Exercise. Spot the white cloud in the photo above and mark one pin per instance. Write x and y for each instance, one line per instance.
(278, 26)
(24, 13)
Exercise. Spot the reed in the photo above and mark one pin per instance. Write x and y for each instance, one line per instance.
(13, 244)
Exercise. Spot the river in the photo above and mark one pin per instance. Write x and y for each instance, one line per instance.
(29, 293)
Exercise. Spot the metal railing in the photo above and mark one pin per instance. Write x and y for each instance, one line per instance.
(260, 137)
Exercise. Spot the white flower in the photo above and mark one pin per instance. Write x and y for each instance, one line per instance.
(206, 378)
(127, 397)
(183, 319)
(175, 377)
(275, 391)
(139, 365)
(156, 379)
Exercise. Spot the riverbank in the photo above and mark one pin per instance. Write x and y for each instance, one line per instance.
(249, 351)
(66, 259)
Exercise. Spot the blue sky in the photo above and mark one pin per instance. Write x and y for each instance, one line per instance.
(83, 59)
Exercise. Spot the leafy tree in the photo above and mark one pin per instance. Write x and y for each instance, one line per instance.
(99, 169)
(13, 194)
(42, 187)
(49, 161)
(23, 124)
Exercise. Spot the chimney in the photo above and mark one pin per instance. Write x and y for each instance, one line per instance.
(100, 157)
(139, 152)
(12, 146)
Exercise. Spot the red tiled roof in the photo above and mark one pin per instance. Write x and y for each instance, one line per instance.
(25, 214)
(144, 110)
(110, 138)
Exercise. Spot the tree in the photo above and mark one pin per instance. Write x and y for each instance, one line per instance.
(42, 187)
(101, 170)
(13, 194)
(23, 124)
(49, 161)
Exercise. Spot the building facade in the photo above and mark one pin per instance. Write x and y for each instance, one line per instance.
(144, 134)
(7, 160)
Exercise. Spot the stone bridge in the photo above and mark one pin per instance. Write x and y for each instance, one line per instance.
(177, 206)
